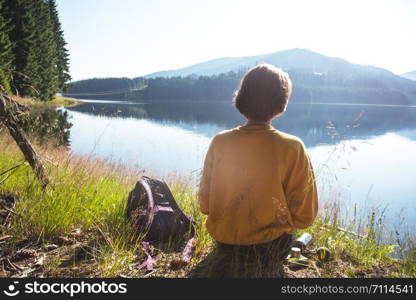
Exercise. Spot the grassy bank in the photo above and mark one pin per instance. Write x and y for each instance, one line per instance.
(77, 227)
(58, 101)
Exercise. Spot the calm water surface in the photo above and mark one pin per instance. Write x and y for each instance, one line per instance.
(362, 155)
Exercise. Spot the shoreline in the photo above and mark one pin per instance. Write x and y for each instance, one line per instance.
(58, 101)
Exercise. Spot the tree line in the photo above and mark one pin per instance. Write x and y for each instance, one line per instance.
(308, 87)
(34, 60)
(110, 84)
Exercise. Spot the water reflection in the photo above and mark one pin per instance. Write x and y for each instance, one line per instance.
(48, 125)
(315, 123)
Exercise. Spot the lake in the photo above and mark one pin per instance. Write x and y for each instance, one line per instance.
(363, 156)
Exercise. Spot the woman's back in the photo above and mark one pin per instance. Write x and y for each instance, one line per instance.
(258, 183)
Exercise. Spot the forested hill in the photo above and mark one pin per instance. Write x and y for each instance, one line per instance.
(106, 88)
(316, 78)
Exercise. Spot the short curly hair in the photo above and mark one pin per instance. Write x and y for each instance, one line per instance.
(264, 93)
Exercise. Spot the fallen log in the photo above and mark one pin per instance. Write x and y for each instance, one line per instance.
(8, 118)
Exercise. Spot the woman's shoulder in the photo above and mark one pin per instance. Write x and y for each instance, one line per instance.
(289, 140)
(226, 132)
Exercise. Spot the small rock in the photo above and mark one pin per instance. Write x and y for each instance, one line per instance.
(50, 247)
(26, 253)
(76, 232)
(39, 262)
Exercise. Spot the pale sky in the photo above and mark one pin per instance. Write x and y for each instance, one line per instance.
(129, 38)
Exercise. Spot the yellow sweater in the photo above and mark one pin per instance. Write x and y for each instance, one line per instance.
(257, 183)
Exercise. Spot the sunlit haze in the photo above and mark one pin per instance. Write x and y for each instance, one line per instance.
(131, 38)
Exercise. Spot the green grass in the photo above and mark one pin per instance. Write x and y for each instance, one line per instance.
(88, 196)
(64, 101)
(57, 101)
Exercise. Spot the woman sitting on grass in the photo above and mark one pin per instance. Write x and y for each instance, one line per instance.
(257, 185)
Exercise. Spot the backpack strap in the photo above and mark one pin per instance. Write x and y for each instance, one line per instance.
(151, 209)
(137, 192)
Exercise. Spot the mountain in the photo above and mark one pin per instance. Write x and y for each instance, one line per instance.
(292, 58)
(410, 75)
(301, 59)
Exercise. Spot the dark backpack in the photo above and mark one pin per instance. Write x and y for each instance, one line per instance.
(154, 212)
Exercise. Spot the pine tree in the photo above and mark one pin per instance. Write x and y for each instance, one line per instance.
(61, 51)
(22, 35)
(45, 52)
(6, 50)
